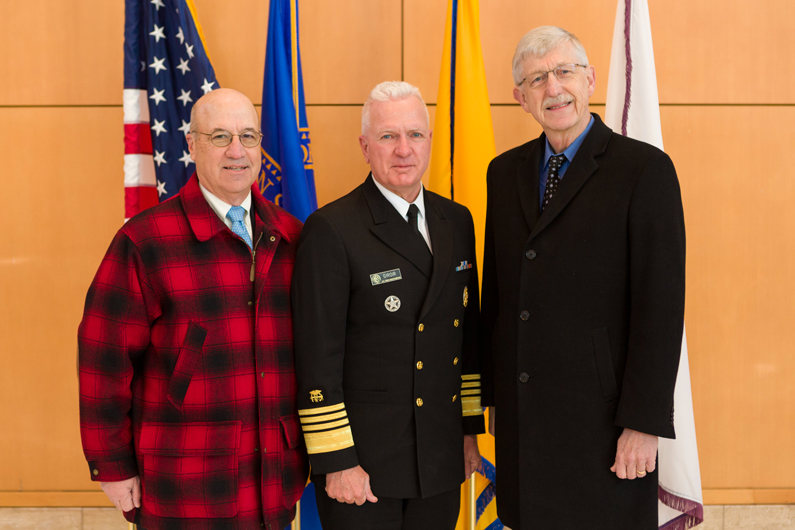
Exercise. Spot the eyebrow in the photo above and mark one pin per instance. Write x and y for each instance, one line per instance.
(247, 129)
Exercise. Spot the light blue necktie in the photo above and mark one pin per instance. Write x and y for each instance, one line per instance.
(236, 214)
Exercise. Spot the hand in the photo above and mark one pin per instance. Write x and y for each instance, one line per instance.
(636, 454)
(472, 460)
(124, 494)
(350, 486)
(492, 412)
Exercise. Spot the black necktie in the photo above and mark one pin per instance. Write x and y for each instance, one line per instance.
(552, 178)
(415, 229)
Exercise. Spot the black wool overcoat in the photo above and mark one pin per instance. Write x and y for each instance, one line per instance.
(582, 310)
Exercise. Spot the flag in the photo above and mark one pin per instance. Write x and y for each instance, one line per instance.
(288, 176)
(633, 110)
(166, 69)
(463, 137)
(463, 146)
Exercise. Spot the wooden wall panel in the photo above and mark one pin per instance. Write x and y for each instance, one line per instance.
(349, 47)
(61, 53)
(741, 280)
(698, 59)
(741, 253)
(64, 201)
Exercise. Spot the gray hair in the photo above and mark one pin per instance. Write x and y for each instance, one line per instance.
(539, 42)
(390, 91)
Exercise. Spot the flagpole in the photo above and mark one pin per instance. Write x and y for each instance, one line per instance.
(297, 521)
(471, 503)
(130, 526)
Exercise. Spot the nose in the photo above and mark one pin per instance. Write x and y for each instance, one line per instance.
(553, 87)
(403, 148)
(235, 149)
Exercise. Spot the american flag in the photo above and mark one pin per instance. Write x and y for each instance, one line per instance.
(166, 69)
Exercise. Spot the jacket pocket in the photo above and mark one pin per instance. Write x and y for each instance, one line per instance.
(190, 469)
(604, 363)
(189, 354)
(295, 467)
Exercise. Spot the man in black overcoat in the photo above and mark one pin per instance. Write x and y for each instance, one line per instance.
(385, 309)
(582, 305)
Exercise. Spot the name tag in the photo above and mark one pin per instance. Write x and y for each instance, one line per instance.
(385, 277)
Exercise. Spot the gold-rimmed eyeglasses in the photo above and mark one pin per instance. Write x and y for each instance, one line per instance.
(224, 138)
(563, 73)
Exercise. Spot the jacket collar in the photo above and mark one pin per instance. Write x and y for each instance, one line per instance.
(205, 223)
(582, 167)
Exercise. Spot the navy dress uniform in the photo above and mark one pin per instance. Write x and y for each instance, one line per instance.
(386, 344)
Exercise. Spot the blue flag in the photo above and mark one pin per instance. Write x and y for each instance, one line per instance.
(288, 177)
(166, 69)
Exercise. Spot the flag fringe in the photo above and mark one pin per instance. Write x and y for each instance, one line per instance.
(692, 511)
(628, 74)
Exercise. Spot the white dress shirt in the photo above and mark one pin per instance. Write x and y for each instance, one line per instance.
(402, 208)
(221, 208)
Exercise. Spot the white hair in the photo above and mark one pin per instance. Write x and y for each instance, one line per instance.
(390, 91)
(539, 42)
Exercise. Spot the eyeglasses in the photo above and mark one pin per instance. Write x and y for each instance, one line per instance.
(224, 138)
(562, 73)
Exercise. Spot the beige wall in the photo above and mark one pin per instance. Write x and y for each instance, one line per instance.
(727, 112)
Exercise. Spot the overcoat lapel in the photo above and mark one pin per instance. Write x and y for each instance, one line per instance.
(392, 229)
(582, 167)
(441, 231)
(527, 181)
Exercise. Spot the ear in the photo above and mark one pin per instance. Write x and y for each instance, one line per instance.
(518, 95)
(590, 74)
(364, 145)
(191, 146)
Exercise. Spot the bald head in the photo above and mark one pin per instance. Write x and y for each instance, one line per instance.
(216, 100)
(226, 171)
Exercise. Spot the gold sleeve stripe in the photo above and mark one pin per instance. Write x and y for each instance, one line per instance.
(470, 377)
(328, 441)
(475, 392)
(322, 426)
(470, 406)
(321, 410)
(325, 417)
(476, 384)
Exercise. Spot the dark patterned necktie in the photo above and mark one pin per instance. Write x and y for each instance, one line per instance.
(553, 180)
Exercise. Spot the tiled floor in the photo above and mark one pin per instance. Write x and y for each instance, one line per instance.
(772, 517)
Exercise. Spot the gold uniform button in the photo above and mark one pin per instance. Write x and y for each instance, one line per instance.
(419, 365)
(421, 327)
(455, 361)
(96, 472)
(419, 402)
(455, 322)
(454, 396)
(273, 238)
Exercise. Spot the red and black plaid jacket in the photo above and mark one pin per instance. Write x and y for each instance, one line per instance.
(186, 367)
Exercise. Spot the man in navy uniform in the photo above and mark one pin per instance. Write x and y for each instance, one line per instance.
(385, 308)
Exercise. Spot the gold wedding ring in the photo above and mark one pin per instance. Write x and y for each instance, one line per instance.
(640, 473)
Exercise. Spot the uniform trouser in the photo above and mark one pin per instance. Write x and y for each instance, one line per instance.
(439, 512)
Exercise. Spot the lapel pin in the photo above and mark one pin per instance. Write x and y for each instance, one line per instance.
(392, 303)
(463, 266)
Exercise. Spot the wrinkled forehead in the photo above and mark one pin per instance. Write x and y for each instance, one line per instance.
(563, 54)
(408, 113)
(229, 114)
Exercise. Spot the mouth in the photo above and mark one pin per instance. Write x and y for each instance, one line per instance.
(235, 167)
(559, 106)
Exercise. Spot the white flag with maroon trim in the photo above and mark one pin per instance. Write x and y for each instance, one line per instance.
(633, 110)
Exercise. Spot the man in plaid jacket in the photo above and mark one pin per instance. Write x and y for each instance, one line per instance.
(187, 385)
